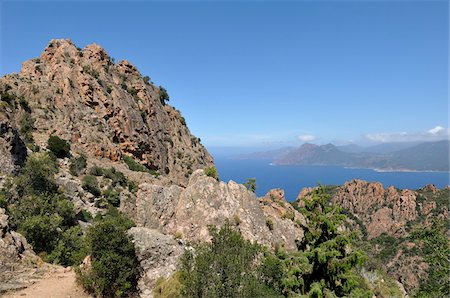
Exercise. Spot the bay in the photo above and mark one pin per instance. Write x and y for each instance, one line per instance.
(293, 178)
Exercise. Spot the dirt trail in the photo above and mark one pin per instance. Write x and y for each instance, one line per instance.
(59, 282)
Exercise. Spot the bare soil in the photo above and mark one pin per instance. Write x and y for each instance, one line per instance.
(58, 282)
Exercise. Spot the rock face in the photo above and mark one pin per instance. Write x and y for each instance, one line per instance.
(187, 212)
(102, 108)
(163, 213)
(13, 151)
(158, 255)
(390, 210)
(381, 210)
(19, 266)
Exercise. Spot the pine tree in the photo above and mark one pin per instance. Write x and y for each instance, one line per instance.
(325, 263)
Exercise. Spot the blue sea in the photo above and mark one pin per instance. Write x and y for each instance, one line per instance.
(293, 178)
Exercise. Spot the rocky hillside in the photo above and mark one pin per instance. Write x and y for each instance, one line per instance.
(125, 148)
(427, 156)
(104, 109)
(386, 219)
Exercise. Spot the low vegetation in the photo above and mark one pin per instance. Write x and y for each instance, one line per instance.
(250, 184)
(325, 264)
(114, 269)
(137, 167)
(212, 172)
(58, 146)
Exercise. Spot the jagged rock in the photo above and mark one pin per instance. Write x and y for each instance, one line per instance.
(205, 201)
(158, 255)
(13, 151)
(103, 109)
(19, 265)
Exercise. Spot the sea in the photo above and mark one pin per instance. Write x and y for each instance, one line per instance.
(293, 178)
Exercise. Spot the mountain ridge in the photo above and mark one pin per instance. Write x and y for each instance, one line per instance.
(426, 156)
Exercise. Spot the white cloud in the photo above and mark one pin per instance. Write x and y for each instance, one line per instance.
(436, 130)
(435, 134)
(306, 138)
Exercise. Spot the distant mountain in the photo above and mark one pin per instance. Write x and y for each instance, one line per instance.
(351, 148)
(430, 156)
(268, 155)
(423, 157)
(390, 147)
(380, 148)
(310, 154)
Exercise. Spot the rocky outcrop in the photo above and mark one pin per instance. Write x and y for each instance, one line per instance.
(19, 266)
(187, 212)
(104, 109)
(13, 151)
(392, 211)
(381, 210)
(158, 255)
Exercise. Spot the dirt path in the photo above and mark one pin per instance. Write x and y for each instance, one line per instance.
(59, 282)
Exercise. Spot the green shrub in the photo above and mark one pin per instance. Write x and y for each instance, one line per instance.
(212, 172)
(26, 124)
(112, 196)
(133, 187)
(90, 184)
(115, 268)
(250, 184)
(229, 266)
(269, 224)
(58, 146)
(163, 95)
(77, 165)
(288, 215)
(168, 287)
(135, 166)
(70, 248)
(117, 177)
(96, 171)
(37, 175)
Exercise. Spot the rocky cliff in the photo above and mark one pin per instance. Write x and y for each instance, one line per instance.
(386, 217)
(19, 266)
(104, 109)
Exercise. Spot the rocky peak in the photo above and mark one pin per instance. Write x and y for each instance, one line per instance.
(187, 212)
(103, 109)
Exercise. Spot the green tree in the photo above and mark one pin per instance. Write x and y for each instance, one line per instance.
(37, 175)
(325, 264)
(212, 172)
(58, 146)
(250, 184)
(163, 95)
(434, 245)
(229, 266)
(115, 268)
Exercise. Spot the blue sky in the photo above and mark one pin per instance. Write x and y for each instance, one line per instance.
(266, 73)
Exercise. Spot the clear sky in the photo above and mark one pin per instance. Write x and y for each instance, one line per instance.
(266, 73)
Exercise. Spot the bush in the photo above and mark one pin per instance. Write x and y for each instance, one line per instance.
(58, 146)
(163, 95)
(115, 268)
(90, 184)
(135, 166)
(168, 287)
(70, 248)
(26, 127)
(229, 266)
(37, 175)
(96, 171)
(250, 184)
(112, 196)
(269, 224)
(77, 165)
(212, 172)
(116, 177)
